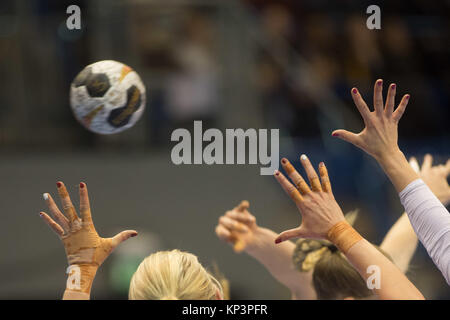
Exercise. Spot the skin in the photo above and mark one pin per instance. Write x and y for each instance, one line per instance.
(239, 226)
(379, 138)
(401, 241)
(83, 246)
(435, 177)
(320, 213)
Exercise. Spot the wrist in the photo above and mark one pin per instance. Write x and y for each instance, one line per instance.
(398, 169)
(80, 277)
(388, 155)
(343, 236)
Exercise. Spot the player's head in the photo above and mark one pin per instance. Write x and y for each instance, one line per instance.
(333, 276)
(173, 275)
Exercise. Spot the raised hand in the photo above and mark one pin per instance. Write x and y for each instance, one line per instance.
(316, 203)
(323, 218)
(379, 137)
(434, 176)
(237, 226)
(85, 249)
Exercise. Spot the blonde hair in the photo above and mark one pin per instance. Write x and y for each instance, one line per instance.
(173, 275)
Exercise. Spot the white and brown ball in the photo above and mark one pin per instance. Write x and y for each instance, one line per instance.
(107, 97)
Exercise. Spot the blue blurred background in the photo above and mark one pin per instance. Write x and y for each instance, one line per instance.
(232, 64)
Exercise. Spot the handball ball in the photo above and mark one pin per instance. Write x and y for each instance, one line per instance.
(107, 97)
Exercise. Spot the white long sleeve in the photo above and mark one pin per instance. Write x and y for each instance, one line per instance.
(431, 222)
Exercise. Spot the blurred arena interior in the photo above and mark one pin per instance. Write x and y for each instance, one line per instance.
(232, 64)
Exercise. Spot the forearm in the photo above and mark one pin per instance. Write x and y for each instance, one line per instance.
(277, 258)
(390, 282)
(401, 243)
(431, 222)
(393, 284)
(79, 282)
(397, 169)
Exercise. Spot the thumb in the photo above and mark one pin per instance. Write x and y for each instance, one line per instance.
(346, 136)
(122, 236)
(244, 205)
(290, 234)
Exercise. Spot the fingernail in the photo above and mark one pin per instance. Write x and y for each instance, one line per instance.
(134, 235)
(40, 214)
(393, 86)
(283, 161)
(45, 196)
(277, 172)
(59, 184)
(335, 134)
(355, 91)
(321, 164)
(277, 241)
(407, 97)
(303, 157)
(379, 83)
(81, 185)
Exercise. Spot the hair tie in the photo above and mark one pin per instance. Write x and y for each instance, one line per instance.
(332, 248)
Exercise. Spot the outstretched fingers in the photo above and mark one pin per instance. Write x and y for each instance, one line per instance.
(56, 213)
(52, 224)
(325, 179)
(295, 177)
(311, 173)
(361, 105)
(290, 234)
(288, 187)
(398, 113)
(378, 96)
(390, 100)
(85, 208)
(68, 208)
(348, 136)
(122, 236)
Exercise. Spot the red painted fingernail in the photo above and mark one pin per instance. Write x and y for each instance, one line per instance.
(355, 91)
(283, 161)
(277, 173)
(59, 184)
(393, 86)
(277, 241)
(407, 97)
(134, 235)
(40, 214)
(380, 82)
(335, 134)
(81, 185)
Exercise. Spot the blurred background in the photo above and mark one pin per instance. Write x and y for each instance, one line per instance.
(233, 64)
